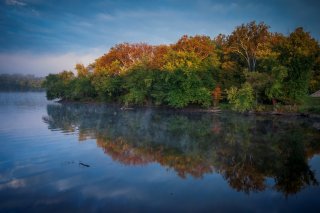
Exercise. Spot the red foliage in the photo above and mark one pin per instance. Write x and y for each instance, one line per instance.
(216, 94)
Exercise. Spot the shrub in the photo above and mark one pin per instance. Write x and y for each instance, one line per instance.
(241, 99)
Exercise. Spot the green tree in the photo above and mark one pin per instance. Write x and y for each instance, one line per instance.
(138, 84)
(185, 89)
(298, 54)
(241, 99)
(258, 81)
(314, 83)
(107, 86)
(81, 88)
(189, 79)
(274, 90)
(58, 85)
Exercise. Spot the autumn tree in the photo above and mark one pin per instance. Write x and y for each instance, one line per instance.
(202, 46)
(247, 41)
(157, 58)
(121, 57)
(230, 71)
(82, 71)
(110, 68)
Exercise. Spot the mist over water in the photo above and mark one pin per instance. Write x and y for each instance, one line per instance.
(95, 157)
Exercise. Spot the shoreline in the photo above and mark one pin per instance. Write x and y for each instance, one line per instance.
(213, 110)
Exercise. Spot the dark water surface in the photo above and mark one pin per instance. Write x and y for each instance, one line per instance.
(93, 157)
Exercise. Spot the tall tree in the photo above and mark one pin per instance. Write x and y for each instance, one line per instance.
(298, 53)
(248, 41)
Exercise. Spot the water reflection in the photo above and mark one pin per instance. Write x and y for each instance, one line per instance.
(245, 150)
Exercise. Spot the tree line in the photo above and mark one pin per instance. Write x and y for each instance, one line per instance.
(250, 67)
(19, 82)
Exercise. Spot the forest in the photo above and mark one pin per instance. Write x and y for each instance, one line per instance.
(247, 70)
(19, 82)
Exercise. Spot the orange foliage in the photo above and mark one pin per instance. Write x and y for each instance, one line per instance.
(123, 56)
(216, 94)
(157, 59)
(82, 71)
(202, 46)
(129, 154)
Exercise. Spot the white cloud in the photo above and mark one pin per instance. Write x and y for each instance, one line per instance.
(16, 3)
(43, 64)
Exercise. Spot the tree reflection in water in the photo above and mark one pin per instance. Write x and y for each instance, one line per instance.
(244, 149)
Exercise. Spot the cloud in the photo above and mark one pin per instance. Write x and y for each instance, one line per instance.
(16, 3)
(22, 9)
(222, 8)
(68, 27)
(113, 192)
(105, 17)
(43, 64)
(14, 184)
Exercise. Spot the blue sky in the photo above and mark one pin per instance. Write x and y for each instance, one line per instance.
(45, 36)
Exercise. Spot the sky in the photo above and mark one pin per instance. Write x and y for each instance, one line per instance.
(47, 36)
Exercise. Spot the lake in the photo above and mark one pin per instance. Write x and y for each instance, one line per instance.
(75, 157)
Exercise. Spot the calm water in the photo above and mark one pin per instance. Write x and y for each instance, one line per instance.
(91, 157)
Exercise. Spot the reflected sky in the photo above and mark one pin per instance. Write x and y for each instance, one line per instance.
(148, 160)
